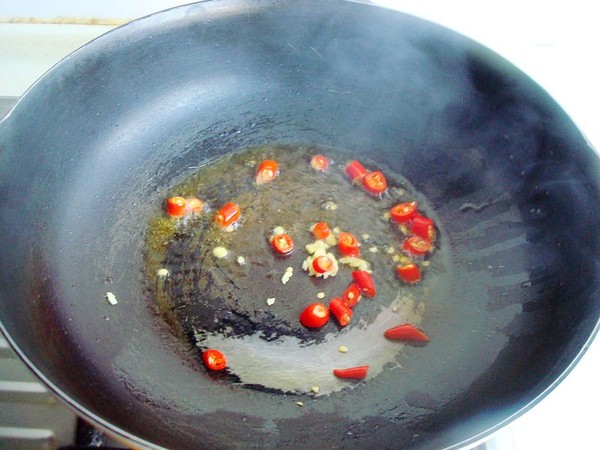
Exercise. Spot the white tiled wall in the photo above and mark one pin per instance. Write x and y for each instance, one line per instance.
(83, 9)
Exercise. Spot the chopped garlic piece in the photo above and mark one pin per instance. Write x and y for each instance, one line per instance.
(321, 295)
(299, 403)
(331, 240)
(425, 263)
(286, 277)
(163, 273)
(386, 215)
(220, 252)
(390, 250)
(329, 206)
(342, 349)
(336, 230)
(112, 298)
(278, 230)
(317, 247)
(314, 389)
(241, 260)
(373, 249)
(356, 263)
(365, 237)
(270, 301)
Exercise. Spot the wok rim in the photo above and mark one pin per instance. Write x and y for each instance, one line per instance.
(129, 438)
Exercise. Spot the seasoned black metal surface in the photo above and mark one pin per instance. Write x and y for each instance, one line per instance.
(91, 152)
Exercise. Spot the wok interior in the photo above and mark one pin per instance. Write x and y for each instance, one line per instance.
(89, 153)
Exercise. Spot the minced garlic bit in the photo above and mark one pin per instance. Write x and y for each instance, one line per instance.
(373, 249)
(403, 229)
(331, 240)
(287, 275)
(241, 260)
(299, 403)
(336, 230)
(425, 263)
(112, 298)
(342, 349)
(394, 308)
(365, 237)
(317, 247)
(163, 273)
(390, 250)
(321, 295)
(329, 206)
(356, 263)
(314, 389)
(386, 215)
(270, 301)
(220, 252)
(278, 230)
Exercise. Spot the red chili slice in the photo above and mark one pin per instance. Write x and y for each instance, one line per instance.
(352, 373)
(423, 227)
(403, 212)
(365, 282)
(409, 273)
(267, 171)
(348, 245)
(319, 163)
(341, 311)
(282, 243)
(406, 332)
(355, 171)
(375, 182)
(417, 246)
(176, 206)
(314, 315)
(320, 230)
(352, 295)
(214, 359)
(322, 264)
(228, 215)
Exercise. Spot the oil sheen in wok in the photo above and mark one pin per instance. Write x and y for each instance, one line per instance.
(239, 304)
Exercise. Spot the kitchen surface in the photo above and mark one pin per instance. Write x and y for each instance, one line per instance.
(555, 43)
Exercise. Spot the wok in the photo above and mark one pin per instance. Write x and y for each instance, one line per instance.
(91, 150)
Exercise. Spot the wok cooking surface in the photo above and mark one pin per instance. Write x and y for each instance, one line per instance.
(474, 161)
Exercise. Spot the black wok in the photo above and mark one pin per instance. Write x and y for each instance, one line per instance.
(89, 153)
